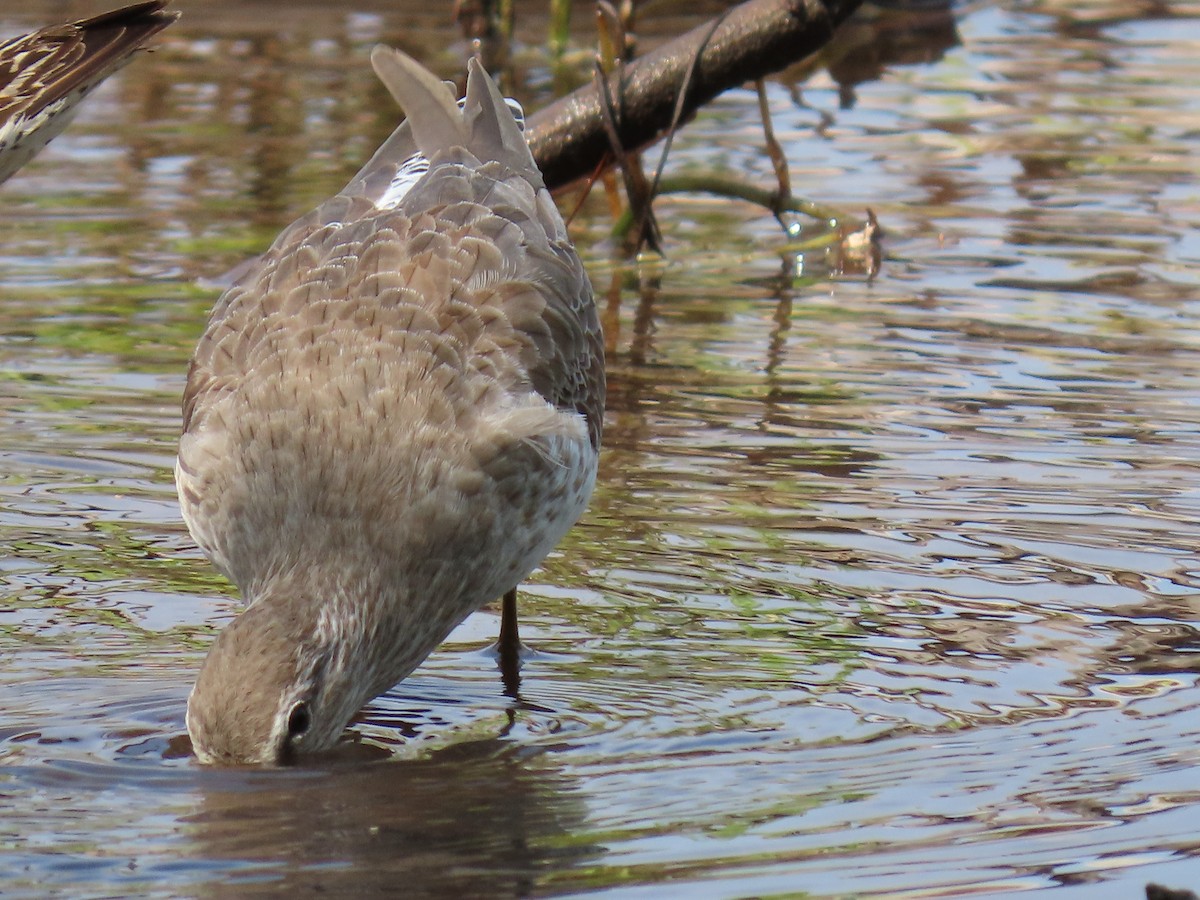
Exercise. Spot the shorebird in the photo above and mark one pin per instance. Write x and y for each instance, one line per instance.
(44, 75)
(390, 419)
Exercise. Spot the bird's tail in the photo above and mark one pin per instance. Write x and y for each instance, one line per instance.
(483, 124)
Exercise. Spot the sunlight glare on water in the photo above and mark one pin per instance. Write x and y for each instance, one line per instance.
(888, 588)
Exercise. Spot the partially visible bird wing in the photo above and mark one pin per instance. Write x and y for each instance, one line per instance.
(43, 74)
(532, 274)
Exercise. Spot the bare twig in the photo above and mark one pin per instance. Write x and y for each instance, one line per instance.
(774, 151)
(646, 228)
(611, 61)
(758, 37)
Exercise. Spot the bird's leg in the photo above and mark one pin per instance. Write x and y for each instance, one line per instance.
(510, 641)
(508, 647)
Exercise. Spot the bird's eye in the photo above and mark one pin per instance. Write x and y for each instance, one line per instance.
(299, 720)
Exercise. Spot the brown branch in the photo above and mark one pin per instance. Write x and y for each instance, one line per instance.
(717, 185)
(754, 39)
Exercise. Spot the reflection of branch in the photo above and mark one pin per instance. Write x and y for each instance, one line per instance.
(754, 39)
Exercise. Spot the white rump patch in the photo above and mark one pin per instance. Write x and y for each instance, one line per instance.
(403, 181)
(414, 168)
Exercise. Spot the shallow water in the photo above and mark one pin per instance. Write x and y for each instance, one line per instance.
(889, 587)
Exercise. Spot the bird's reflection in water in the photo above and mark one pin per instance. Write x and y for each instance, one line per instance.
(476, 817)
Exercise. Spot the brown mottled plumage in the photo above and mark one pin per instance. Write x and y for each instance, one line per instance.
(44, 75)
(390, 419)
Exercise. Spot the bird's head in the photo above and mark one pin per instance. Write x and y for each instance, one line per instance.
(271, 690)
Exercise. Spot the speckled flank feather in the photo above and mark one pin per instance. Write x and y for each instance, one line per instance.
(45, 74)
(389, 421)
